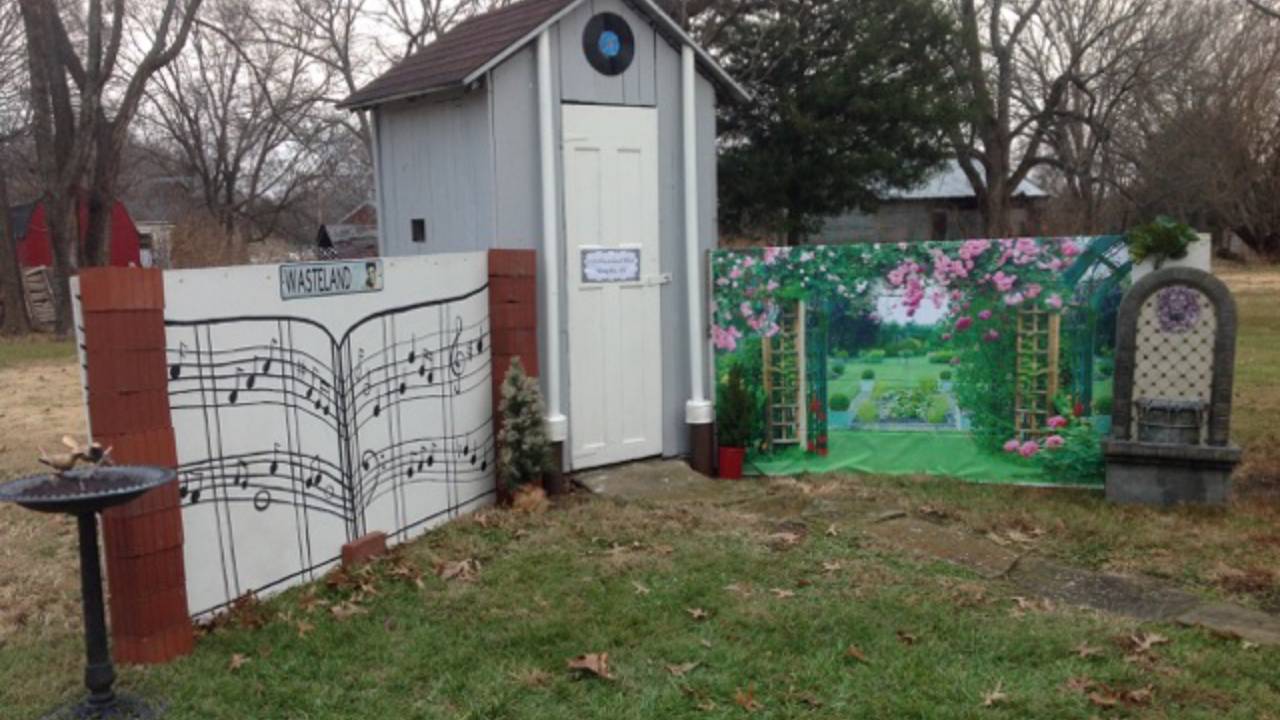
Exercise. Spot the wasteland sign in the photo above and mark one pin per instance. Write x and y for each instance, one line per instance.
(309, 280)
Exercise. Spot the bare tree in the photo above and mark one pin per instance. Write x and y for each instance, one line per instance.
(76, 120)
(1021, 61)
(244, 117)
(14, 117)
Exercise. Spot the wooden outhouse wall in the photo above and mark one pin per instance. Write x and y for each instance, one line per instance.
(470, 167)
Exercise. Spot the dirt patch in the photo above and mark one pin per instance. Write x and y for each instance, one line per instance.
(39, 583)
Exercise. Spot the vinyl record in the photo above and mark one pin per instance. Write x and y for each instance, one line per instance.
(609, 44)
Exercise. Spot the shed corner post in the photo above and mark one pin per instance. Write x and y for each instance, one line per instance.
(699, 412)
(557, 423)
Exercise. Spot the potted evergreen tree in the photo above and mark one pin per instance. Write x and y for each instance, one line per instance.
(733, 416)
(524, 451)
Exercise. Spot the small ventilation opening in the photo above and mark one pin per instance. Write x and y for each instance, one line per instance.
(419, 229)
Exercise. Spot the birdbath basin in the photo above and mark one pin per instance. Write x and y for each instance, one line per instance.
(84, 493)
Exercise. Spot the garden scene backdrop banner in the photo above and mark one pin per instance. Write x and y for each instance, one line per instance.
(988, 360)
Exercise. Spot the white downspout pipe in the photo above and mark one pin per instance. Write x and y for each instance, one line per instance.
(557, 423)
(698, 410)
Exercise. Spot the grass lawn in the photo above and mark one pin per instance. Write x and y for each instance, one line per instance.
(783, 570)
(894, 373)
(34, 349)
(783, 604)
(949, 454)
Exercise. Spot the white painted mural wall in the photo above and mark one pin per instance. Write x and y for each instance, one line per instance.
(303, 424)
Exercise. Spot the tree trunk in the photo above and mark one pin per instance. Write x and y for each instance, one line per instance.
(12, 294)
(60, 216)
(101, 200)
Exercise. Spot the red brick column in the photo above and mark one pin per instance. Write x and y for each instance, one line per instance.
(123, 320)
(513, 322)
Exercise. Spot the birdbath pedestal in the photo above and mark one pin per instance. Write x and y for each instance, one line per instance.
(84, 493)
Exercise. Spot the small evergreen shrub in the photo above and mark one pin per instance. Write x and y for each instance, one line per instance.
(734, 410)
(837, 370)
(868, 374)
(1162, 239)
(874, 357)
(936, 414)
(524, 451)
(941, 357)
(839, 402)
(945, 376)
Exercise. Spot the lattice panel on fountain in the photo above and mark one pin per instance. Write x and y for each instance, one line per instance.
(1176, 331)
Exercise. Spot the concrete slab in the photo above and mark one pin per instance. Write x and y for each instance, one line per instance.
(1250, 625)
(961, 548)
(1118, 594)
(656, 480)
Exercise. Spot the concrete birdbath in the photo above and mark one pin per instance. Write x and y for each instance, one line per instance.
(84, 493)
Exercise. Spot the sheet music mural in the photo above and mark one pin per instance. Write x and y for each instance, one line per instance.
(303, 425)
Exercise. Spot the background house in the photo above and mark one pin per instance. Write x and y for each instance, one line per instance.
(942, 208)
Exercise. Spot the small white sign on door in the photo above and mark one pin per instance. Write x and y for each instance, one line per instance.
(610, 265)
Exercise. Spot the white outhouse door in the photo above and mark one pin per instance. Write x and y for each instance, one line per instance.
(613, 283)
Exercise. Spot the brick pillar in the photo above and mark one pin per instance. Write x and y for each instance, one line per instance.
(123, 319)
(513, 323)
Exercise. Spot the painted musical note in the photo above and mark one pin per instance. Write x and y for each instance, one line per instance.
(241, 477)
(262, 500)
(184, 488)
(313, 479)
(175, 370)
(275, 460)
(271, 349)
(235, 393)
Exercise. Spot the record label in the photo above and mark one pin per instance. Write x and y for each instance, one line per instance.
(609, 44)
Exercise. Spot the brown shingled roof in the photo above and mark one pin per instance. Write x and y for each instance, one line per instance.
(462, 50)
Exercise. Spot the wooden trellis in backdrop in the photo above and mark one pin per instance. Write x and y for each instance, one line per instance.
(1036, 374)
(784, 379)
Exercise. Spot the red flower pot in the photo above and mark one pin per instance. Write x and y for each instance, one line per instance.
(731, 462)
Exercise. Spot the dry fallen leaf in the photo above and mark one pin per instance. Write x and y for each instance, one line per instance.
(530, 499)
(832, 531)
(854, 652)
(344, 610)
(1103, 699)
(1144, 642)
(1141, 696)
(1078, 684)
(640, 588)
(782, 593)
(464, 570)
(746, 699)
(697, 613)
(996, 695)
(237, 662)
(304, 627)
(682, 669)
(786, 538)
(594, 663)
(907, 638)
(1085, 651)
(739, 588)
(830, 566)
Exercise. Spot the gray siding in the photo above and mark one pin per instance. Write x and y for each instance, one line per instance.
(581, 83)
(517, 166)
(435, 162)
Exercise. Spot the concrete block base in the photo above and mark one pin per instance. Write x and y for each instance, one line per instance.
(1167, 475)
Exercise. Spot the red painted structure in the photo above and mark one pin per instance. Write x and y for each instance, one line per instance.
(32, 236)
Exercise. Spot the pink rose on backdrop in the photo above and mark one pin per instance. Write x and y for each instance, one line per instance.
(1029, 449)
(1032, 291)
(1054, 301)
(1057, 421)
(991, 336)
(1070, 249)
(1012, 446)
(1013, 299)
(1054, 441)
(984, 315)
(964, 323)
(1003, 282)
(946, 337)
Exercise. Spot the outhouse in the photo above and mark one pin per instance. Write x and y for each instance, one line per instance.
(585, 130)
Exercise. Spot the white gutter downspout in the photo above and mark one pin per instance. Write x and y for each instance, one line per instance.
(698, 410)
(557, 423)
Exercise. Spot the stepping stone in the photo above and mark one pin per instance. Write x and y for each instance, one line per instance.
(960, 548)
(660, 480)
(1250, 625)
(1117, 594)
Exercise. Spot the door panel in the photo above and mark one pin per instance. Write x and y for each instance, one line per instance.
(615, 348)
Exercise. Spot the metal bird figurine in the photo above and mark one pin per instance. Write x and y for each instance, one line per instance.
(91, 453)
